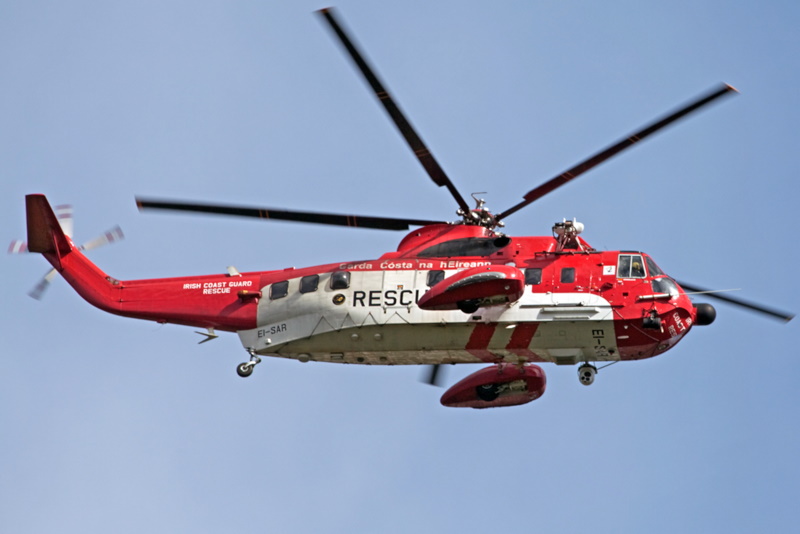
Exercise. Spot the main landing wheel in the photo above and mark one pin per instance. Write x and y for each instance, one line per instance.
(487, 392)
(586, 373)
(469, 306)
(245, 369)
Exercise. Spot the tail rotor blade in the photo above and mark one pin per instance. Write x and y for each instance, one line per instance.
(38, 291)
(18, 246)
(65, 220)
(111, 236)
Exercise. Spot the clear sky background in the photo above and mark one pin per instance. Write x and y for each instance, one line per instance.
(116, 425)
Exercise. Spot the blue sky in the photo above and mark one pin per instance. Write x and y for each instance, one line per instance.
(111, 424)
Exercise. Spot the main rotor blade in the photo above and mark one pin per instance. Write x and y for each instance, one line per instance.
(382, 223)
(432, 375)
(772, 312)
(613, 150)
(414, 141)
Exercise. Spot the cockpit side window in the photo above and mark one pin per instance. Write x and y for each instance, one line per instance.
(624, 266)
(630, 266)
(637, 267)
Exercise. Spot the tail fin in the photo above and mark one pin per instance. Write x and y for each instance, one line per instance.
(45, 234)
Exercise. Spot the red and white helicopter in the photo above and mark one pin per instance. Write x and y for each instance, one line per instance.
(452, 292)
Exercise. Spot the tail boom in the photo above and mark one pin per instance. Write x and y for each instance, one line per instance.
(166, 300)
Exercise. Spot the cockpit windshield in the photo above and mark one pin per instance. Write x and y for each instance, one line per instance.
(665, 286)
(652, 267)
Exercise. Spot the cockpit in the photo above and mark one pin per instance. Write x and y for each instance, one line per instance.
(633, 265)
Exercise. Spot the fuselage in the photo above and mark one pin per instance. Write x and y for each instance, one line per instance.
(574, 308)
(576, 304)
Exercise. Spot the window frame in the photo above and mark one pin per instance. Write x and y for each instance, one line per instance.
(340, 277)
(284, 284)
(434, 277)
(533, 276)
(304, 289)
(631, 258)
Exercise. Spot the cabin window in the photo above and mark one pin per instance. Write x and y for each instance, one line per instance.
(278, 290)
(309, 284)
(434, 277)
(630, 266)
(533, 276)
(568, 275)
(340, 280)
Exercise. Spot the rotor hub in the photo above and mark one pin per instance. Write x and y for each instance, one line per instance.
(480, 216)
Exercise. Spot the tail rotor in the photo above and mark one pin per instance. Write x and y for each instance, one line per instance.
(65, 220)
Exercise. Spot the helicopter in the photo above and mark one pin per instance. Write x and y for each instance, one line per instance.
(452, 292)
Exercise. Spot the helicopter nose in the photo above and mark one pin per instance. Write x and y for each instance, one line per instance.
(704, 314)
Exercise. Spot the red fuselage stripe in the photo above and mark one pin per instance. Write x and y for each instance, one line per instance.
(479, 342)
(521, 340)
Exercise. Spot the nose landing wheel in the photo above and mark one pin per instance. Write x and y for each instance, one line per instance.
(586, 374)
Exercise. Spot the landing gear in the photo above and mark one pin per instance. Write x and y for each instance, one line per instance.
(586, 373)
(246, 369)
(487, 392)
(469, 306)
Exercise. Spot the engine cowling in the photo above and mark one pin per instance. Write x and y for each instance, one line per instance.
(487, 285)
(503, 384)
